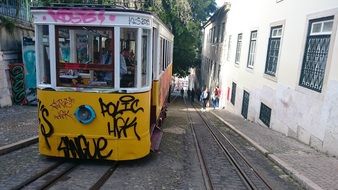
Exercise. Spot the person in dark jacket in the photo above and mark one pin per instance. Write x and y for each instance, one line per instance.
(192, 95)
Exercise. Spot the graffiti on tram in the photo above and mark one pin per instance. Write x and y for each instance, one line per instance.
(116, 110)
(120, 118)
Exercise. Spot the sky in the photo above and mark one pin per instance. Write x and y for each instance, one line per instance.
(219, 2)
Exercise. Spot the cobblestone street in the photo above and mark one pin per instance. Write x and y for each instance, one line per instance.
(17, 123)
(174, 166)
(157, 95)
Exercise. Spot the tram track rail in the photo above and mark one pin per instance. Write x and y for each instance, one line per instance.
(57, 172)
(54, 172)
(247, 171)
(18, 145)
(105, 177)
(205, 174)
(248, 174)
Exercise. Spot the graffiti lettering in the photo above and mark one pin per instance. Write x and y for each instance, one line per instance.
(46, 131)
(118, 129)
(125, 104)
(79, 147)
(63, 103)
(63, 114)
(18, 87)
(77, 16)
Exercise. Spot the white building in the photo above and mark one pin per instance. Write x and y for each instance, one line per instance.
(213, 48)
(279, 66)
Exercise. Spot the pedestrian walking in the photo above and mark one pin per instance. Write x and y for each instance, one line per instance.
(182, 92)
(213, 99)
(217, 92)
(198, 94)
(189, 94)
(205, 98)
(192, 95)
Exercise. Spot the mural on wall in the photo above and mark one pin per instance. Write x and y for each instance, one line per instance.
(28, 57)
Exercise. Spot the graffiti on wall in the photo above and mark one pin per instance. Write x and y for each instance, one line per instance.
(18, 85)
(28, 57)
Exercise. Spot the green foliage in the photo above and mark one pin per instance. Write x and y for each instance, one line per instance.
(186, 18)
(8, 24)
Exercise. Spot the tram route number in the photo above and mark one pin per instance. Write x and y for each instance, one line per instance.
(139, 21)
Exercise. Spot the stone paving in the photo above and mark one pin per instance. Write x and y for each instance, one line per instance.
(313, 169)
(17, 123)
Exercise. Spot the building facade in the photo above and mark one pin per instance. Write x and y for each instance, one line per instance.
(213, 47)
(279, 67)
(14, 25)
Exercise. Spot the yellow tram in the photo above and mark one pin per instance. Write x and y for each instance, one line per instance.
(103, 77)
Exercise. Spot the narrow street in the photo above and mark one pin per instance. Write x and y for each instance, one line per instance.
(178, 164)
(217, 94)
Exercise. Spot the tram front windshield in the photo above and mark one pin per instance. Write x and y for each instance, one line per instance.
(86, 57)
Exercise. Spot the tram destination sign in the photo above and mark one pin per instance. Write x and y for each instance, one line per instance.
(139, 21)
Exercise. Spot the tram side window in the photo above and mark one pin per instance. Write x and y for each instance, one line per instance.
(43, 53)
(85, 56)
(164, 54)
(144, 57)
(161, 54)
(128, 74)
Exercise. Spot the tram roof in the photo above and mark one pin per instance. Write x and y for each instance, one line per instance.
(95, 7)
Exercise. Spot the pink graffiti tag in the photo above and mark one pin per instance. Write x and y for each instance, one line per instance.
(77, 16)
(112, 17)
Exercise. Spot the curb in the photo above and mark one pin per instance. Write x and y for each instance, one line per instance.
(17, 145)
(306, 182)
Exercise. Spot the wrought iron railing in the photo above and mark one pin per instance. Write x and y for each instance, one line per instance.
(130, 4)
(17, 9)
(314, 62)
(265, 114)
(272, 57)
(233, 93)
(245, 104)
(20, 9)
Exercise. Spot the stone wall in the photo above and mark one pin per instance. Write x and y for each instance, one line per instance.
(10, 52)
(6, 57)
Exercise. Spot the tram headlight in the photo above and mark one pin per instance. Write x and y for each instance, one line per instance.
(85, 114)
